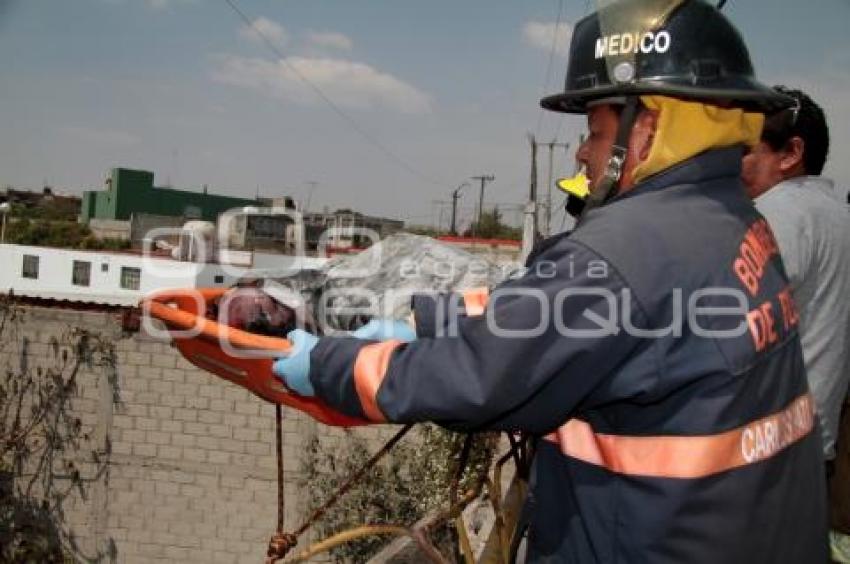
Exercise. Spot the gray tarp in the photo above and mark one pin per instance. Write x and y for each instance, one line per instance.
(378, 282)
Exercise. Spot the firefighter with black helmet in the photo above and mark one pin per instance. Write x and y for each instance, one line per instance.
(654, 351)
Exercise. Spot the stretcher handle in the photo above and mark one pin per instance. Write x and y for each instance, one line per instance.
(185, 309)
(187, 317)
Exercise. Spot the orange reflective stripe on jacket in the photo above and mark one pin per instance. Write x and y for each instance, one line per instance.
(370, 367)
(688, 456)
(475, 301)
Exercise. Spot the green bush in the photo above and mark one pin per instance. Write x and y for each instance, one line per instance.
(490, 226)
(60, 234)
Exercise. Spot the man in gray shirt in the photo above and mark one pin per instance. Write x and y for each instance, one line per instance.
(811, 221)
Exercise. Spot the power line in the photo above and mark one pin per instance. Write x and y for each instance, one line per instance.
(372, 140)
(563, 117)
(552, 144)
(549, 63)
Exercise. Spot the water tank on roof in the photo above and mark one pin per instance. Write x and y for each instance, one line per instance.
(197, 242)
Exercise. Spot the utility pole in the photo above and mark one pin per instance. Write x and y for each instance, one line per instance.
(312, 184)
(5, 207)
(578, 165)
(484, 178)
(530, 234)
(552, 144)
(532, 190)
(455, 196)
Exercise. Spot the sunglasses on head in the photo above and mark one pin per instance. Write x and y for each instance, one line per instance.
(793, 111)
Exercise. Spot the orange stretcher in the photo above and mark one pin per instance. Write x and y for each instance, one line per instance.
(200, 339)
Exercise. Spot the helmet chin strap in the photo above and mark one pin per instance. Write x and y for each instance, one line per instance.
(609, 183)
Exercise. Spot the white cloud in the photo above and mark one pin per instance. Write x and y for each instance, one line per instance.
(264, 28)
(159, 5)
(347, 83)
(330, 39)
(84, 136)
(163, 4)
(541, 35)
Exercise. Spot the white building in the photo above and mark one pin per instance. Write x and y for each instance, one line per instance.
(123, 279)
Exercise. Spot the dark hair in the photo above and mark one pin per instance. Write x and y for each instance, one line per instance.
(805, 120)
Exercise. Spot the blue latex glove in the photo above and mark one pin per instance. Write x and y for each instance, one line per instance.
(385, 329)
(294, 368)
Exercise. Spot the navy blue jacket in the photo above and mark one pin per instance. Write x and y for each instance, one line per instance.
(655, 352)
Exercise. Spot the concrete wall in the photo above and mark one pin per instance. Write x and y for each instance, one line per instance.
(142, 223)
(192, 472)
(497, 251)
(110, 229)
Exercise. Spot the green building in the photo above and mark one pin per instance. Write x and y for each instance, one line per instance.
(132, 191)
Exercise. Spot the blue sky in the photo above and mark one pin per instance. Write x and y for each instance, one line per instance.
(446, 89)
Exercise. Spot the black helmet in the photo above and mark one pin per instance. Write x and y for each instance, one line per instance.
(681, 48)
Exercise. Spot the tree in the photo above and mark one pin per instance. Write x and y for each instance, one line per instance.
(59, 234)
(40, 437)
(490, 226)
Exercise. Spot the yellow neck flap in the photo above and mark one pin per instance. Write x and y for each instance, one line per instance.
(688, 128)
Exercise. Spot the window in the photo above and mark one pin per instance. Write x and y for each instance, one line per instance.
(104, 267)
(219, 279)
(266, 227)
(30, 267)
(131, 277)
(81, 275)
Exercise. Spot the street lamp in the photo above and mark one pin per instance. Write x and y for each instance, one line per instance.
(455, 196)
(4, 209)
